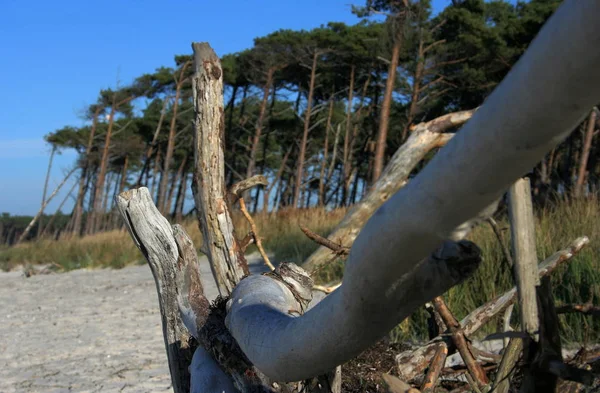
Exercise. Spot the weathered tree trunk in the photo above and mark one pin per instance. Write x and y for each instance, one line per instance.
(390, 270)
(40, 229)
(425, 137)
(307, 115)
(220, 245)
(174, 264)
(162, 188)
(384, 118)
(585, 153)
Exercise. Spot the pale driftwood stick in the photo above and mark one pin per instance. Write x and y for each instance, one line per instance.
(462, 345)
(44, 204)
(220, 245)
(173, 261)
(414, 362)
(522, 228)
(424, 138)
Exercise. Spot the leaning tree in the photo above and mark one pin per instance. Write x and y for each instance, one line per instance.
(267, 332)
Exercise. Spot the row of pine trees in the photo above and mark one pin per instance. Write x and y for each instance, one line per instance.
(318, 112)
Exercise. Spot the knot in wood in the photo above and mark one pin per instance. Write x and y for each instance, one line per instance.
(297, 280)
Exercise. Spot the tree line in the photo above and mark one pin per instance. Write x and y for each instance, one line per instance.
(318, 112)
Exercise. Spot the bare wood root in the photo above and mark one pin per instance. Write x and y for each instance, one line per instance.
(414, 362)
(173, 261)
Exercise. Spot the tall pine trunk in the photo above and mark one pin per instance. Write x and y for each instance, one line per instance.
(78, 209)
(40, 224)
(259, 123)
(162, 188)
(585, 154)
(152, 145)
(325, 154)
(103, 166)
(307, 115)
(176, 180)
(378, 160)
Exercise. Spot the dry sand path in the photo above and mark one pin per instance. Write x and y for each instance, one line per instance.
(85, 331)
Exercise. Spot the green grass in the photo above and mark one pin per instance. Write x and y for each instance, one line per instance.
(577, 281)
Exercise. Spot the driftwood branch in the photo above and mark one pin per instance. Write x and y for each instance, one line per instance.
(220, 245)
(424, 138)
(263, 309)
(255, 235)
(174, 264)
(414, 362)
(387, 269)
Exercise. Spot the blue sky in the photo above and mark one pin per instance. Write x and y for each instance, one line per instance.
(57, 55)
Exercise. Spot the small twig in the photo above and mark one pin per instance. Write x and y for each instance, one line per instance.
(500, 237)
(338, 249)
(325, 289)
(246, 241)
(237, 190)
(254, 231)
(585, 309)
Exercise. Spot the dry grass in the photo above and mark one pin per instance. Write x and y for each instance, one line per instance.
(576, 282)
